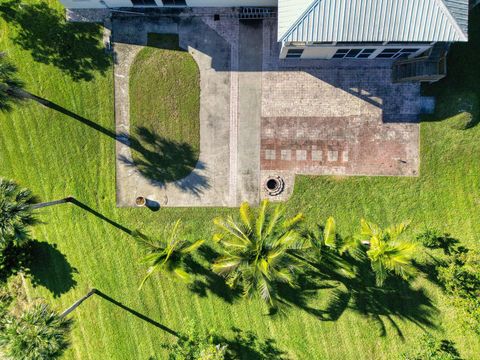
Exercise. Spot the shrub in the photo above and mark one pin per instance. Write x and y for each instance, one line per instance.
(431, 348)
(197, 346)
(38, 333)
(429, 238)
(460, 277)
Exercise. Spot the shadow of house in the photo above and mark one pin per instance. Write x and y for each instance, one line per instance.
(460, 90)
(49, 268)
(163, 161)
(74, 48)
(368, 80)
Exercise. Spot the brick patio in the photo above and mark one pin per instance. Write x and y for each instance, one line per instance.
(335, 117)
(338, 145)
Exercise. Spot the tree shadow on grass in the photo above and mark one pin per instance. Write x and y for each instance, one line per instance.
(162, 161)
(396, 300)
(246, 345)
(209, 282)
(74, 48)
(49, 268)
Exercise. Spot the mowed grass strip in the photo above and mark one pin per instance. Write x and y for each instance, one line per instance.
(56, 155)
(165, 109)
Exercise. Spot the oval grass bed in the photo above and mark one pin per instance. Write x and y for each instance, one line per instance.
(164, 110)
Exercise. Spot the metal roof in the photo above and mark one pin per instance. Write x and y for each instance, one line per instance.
(372, 20)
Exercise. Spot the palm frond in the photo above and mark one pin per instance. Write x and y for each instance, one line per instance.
(191, 248)
(246, 215)
(258, 258)
(261, 219)
(329, 233)
(277, 214)
(294, 221)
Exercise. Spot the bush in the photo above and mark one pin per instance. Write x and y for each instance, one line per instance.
(38, 333)
(197, 346)
(12, 260)
(434, 239)
(431, 348)
(460, 277)
(429, 238)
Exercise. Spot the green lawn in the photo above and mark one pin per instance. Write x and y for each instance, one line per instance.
(57, 155)
(165, 106)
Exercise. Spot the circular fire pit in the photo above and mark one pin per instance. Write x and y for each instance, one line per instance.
(274, 185)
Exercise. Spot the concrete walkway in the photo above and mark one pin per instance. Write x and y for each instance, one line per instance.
(209, 183)
(261, 116)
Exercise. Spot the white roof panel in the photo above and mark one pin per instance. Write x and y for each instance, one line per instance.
(372, 20)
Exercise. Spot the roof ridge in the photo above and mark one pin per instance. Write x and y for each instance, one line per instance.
(452, 19)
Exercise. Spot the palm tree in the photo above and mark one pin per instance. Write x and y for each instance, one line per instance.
(387, 252)
(9, 84)
(15, 213)
(256, 250)
(166, 253)
(38, 333)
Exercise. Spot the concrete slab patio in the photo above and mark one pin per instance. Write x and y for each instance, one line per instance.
(261, 116)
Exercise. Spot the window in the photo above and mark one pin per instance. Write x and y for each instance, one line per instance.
(174, 2)
(294, 53)
(144, 2)
(353, 53)
(395, 53)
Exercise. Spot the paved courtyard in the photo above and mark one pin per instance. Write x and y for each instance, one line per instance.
(262, 116)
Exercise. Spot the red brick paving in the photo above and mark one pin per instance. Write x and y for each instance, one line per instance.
(352, 145)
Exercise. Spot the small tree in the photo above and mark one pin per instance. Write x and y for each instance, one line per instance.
(460, 276)
(431, 348)
(15, 213)
(10, 85)
(387, 252)
(166, 253)
(256, 250)
(38, 333)
(195, 345)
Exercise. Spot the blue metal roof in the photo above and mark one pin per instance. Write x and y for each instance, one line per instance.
(375, 20)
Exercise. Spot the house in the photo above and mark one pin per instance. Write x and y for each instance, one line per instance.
(415, 32)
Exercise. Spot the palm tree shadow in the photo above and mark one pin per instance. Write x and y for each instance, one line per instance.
(396, 300)
(163, 161)
(209, 282)
(74, 48)
(48, 267)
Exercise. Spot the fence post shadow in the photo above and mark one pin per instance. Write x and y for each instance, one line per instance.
(99, 215)
(120, 305)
